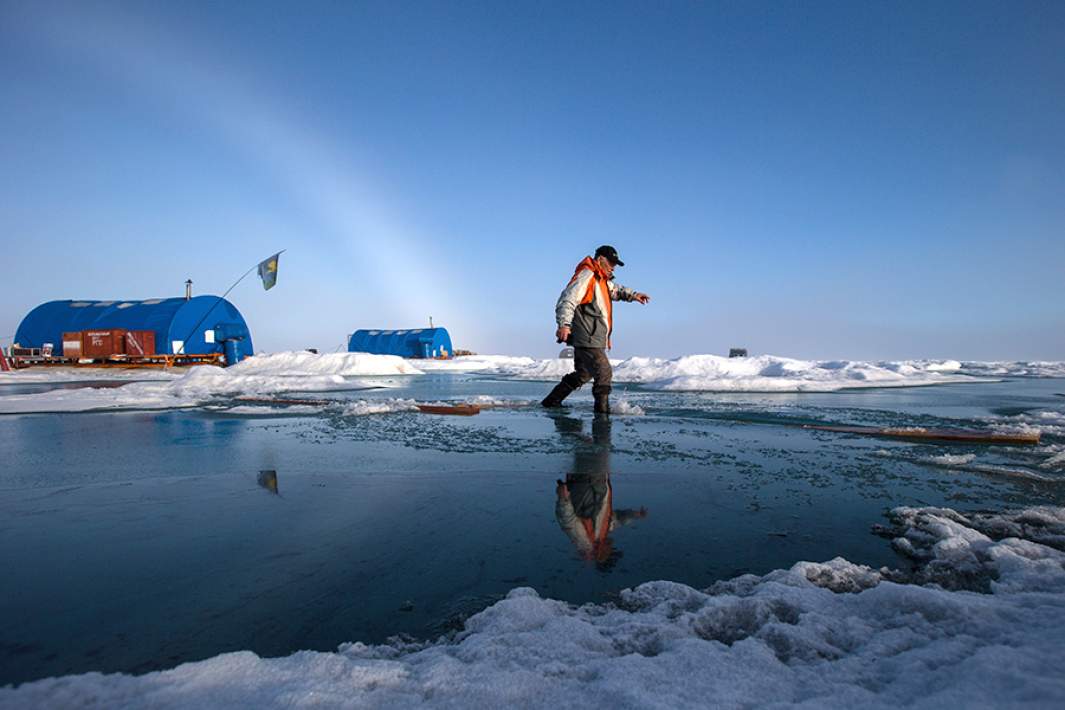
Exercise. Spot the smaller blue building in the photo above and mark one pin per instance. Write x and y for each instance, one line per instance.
(419, 342)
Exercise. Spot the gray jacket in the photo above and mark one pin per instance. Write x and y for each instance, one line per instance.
(590, 323)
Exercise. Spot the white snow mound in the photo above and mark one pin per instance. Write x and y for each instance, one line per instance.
(261, 375)
(818, 635)
(302, 364)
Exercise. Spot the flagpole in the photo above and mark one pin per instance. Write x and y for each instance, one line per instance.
(220, 299)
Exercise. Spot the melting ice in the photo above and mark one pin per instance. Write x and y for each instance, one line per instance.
(975, 623)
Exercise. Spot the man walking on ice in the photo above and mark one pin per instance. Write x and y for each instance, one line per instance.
(584, 315)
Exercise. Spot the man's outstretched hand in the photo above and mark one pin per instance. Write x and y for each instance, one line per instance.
(562, 334)
(641, 298)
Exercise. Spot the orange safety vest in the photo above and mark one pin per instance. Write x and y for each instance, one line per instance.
(598, 527)
(600, 281)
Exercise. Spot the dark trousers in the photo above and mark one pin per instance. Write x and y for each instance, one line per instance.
(590, 364)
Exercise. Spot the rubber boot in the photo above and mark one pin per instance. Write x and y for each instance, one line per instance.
(602, 399)
(554, 399)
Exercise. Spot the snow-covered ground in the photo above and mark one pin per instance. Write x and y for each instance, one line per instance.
(49, 375)
(481, 363)
(305, 364)
(977, 623)
(768, 373)
(308, 372)
(262, 375)
(764, 373)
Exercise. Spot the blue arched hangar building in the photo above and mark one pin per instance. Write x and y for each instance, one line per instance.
(202, 325)
(418, 342)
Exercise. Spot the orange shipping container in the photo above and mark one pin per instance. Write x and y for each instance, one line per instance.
(140, 343)
(102, 344)
(71, 344)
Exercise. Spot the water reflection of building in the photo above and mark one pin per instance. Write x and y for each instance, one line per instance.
(268, 480)
(584, 503)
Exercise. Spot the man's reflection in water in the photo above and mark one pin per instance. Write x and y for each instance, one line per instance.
(584, 505)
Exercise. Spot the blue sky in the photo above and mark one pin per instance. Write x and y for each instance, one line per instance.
(822, 180)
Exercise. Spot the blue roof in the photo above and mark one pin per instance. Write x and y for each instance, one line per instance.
(172, 319)
(417, 342)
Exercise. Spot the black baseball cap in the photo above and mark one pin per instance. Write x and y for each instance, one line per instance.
(610, 253)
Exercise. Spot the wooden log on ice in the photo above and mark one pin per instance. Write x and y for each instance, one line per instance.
(463, 410)
(920, 433)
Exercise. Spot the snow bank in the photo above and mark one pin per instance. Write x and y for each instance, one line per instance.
(765, 373)
(1002, 368)
(819, 635)
(256, 376)
(1017, 368)
(478, 363)
(768, 373)
(308, 372)
(303, 364)
(1002, 553)
(46, 375)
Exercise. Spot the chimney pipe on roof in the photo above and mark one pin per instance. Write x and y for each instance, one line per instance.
(188, 289)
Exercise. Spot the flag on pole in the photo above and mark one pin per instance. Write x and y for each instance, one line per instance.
(268, 271)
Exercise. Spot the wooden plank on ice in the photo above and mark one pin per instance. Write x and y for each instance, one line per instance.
(463, 410)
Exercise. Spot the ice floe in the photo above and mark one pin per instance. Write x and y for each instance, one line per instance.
(1019, 368)
(363, 407)
(244, 410)
(1024, 470)
(1049, 424)
(952, 459)
(1041, 422)
(1020, 551)
(976, 623)
(625, 407)
(1056, 457)
(487, 400)
(765, 373)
